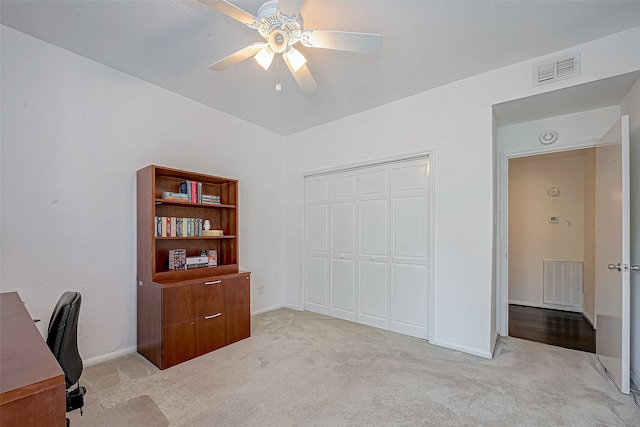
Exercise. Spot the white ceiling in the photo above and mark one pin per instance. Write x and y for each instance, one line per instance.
(426, 44)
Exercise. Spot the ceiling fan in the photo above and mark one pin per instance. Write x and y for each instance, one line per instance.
(280, 23)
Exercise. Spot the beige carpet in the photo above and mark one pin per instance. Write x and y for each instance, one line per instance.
(305, 369)
(140, 411)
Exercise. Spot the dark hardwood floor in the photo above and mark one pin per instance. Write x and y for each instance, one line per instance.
(560, 328)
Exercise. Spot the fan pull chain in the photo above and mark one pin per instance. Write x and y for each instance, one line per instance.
(278, 85)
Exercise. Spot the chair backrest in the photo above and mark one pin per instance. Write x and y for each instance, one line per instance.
(62, 337)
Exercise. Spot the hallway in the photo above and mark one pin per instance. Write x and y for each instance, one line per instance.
(560, 328)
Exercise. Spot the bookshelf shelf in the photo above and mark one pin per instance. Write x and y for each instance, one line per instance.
(184, 313)
(202, 205)
(196, 238)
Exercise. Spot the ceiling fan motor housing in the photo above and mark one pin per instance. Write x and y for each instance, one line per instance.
(279, 30)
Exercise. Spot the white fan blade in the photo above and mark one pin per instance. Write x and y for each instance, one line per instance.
(342, 40)
(291, 8)
(303, 78)
(237, 57)
(231, 10)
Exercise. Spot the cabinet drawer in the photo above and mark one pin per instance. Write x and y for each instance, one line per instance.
(191, 300)
(209, 294)
(178, 343)
(212, 332)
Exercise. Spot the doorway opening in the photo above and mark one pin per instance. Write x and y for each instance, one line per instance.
(551, 240)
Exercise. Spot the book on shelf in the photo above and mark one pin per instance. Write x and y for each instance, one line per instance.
(210, 199)
(179, 227)
(199, 192)
(169, 226)
(185, 188)
(197, 260)
(191, 266)
(212, 256)
(194, 191)
(213, 233)
(177, 259)
(174, 197)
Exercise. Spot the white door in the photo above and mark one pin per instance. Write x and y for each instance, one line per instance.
(342, 196)
(373, 259)
(612, 261)
(410, 247)
(317, 244)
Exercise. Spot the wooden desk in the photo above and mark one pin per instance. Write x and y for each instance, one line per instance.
(32, 387)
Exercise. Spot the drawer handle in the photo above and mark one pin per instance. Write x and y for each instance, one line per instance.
(213, 283)
(212, 316)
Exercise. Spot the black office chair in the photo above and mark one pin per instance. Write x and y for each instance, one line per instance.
(62, 339)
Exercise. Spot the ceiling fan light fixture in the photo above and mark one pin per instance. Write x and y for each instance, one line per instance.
(295, 58)
(264, 57)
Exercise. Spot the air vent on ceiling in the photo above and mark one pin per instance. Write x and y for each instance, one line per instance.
(557, 69)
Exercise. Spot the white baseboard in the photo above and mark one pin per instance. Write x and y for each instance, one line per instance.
(293, 307)
(264, 310)
(109, 356)
(589, 319)
(462, 348)
(549, 306)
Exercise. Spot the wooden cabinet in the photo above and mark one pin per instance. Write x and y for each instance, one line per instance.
(183, 314)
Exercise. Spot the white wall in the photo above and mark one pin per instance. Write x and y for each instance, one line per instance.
(74, 132)
(456, 121)
(532, 238)
(631, 106)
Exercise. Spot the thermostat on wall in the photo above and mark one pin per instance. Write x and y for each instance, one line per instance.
(553, 191)
(553, 219)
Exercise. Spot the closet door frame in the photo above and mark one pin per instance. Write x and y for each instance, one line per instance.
(431, 161)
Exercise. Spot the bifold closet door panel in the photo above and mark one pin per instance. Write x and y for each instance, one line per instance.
(410, 247)
(317, 244)
(373, 234)
(342, 196)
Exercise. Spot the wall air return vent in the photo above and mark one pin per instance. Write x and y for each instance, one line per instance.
(557, 69)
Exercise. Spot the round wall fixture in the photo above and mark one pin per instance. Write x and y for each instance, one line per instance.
(553, 191)
(548, 137)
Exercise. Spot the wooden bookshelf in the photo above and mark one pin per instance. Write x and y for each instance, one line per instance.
(212, 303)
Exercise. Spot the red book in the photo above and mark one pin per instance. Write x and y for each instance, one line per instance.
(194, 191)
(168, 226)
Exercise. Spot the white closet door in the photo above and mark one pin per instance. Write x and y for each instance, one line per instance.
(317, 244)
(342, 190)
(410, 250)
(367, 245)
(373, 233)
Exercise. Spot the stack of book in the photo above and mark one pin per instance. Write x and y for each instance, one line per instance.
(210, 199)
(197, 262)
(177, 259)
(212, 233)
(170, 226)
